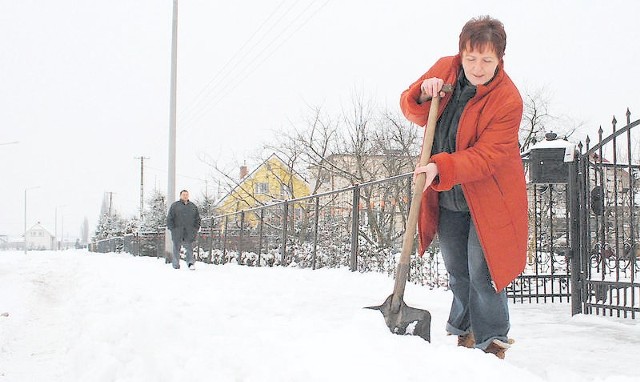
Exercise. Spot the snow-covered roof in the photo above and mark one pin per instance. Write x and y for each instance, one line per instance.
(551, 144)
(39, 226)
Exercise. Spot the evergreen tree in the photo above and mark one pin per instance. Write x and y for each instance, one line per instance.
(155, 214)
(110, 226)
(206, 207)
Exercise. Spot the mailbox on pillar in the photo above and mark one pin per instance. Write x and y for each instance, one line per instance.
(549, 160)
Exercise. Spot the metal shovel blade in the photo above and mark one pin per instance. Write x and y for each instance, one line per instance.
(407, 320)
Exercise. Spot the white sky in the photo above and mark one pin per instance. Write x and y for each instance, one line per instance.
(78, 316)
(84, 86)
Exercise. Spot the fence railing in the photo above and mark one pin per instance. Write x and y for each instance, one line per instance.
(359, 227)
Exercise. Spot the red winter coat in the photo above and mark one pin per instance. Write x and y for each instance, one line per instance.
(486, 163)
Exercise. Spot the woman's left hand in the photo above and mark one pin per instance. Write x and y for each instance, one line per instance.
(430, 171)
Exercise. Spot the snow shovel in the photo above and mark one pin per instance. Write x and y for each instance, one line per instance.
(401, 318)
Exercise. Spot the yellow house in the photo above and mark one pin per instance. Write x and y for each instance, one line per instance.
(271, 181)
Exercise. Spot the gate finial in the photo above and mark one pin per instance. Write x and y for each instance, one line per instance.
(628, 116)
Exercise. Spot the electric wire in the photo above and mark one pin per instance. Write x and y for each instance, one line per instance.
(198, 98)
(251, 66)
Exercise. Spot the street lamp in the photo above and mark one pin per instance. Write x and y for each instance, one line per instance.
(25, 216)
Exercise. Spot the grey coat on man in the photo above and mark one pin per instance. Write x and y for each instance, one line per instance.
(183, 220)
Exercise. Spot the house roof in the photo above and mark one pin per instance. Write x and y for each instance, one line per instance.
(39, 227)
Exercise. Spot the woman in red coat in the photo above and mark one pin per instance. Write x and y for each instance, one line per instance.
(476, 198)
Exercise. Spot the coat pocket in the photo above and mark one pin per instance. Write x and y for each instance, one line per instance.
(491, 206)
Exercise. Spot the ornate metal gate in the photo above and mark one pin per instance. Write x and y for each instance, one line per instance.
(607, 223)
(584, 220)
(546, 277)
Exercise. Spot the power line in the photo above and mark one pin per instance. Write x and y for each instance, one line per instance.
(192, 108)
(197, 99)
(196, 116)
(203, 104)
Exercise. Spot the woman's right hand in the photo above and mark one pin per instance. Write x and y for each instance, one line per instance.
(432, 86)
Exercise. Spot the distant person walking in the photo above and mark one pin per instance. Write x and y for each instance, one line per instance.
(183, 220)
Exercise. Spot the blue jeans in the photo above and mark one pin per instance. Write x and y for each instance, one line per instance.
(476, 306)
(188, 247)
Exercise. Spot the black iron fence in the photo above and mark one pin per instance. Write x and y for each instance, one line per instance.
(360, 227)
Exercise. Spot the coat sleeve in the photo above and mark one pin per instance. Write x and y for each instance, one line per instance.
(412, 110)
(419, 113)
(171, 218)
(197, 220)
(496, 143)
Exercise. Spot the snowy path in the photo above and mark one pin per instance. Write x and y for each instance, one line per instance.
(79, 316)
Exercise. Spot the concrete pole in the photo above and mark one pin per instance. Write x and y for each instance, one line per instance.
(25, 221)
(171, 173)
(57, 242)
(171, 185)
(25, 216)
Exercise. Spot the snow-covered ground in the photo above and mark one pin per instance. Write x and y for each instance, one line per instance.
(80, 316)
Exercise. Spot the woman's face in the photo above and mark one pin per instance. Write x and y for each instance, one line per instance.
(479, 65)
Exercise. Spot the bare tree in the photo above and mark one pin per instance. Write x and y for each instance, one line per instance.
(537, 120)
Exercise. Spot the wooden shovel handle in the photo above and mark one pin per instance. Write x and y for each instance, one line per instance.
(412, 221)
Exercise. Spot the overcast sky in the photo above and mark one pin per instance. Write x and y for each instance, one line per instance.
(84, 85)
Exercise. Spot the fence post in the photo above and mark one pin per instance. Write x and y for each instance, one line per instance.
(574, 206)
(285, 222)
(211, 240)
(240, 238)
(584, 224)
(355, 224)
(260, 236)
(224, 240)
(315, 233)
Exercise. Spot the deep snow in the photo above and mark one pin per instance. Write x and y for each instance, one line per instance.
(80, 316)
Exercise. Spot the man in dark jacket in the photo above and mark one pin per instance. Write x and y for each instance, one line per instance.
(183, 220)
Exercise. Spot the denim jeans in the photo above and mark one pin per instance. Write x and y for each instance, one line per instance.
(476, 306)
(188, 247)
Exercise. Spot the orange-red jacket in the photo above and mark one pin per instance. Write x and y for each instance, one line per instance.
(486, 163)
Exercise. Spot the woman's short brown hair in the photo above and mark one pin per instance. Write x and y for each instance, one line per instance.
(484, 32)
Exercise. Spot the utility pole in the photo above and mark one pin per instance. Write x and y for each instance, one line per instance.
(110, 201)
(25, 216)
(171, 173)
(142, 158)
(57, 246)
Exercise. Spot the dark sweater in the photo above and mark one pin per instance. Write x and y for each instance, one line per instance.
(444, 139)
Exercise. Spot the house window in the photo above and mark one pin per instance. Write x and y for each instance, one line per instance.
(262, 188)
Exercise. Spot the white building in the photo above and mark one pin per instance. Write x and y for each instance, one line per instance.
(38, 238)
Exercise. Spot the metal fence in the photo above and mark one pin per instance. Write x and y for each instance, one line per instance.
(360, 227)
